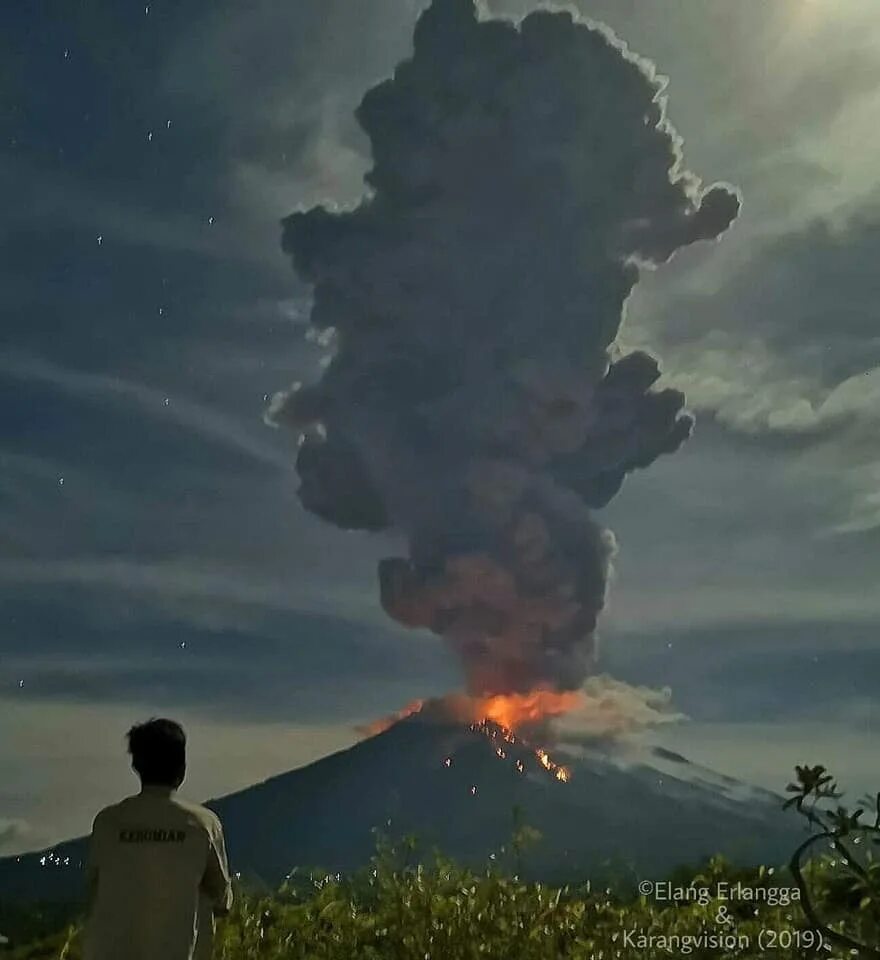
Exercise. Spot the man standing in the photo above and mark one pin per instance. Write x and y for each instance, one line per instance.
(157, 871)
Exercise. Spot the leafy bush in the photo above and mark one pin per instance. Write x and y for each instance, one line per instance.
(842, 900)
(402, 911)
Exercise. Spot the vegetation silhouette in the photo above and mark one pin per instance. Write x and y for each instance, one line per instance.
(853, 890)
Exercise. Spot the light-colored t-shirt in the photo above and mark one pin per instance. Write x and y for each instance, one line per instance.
(157, 874)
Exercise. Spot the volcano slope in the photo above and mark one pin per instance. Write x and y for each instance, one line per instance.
(455, 788)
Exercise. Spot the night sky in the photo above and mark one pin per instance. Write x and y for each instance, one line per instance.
(154, 558)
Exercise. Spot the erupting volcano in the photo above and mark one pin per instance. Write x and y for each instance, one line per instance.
(455, 787)
(475, 408)
(513, 711)
(496, 717)
(524, 174)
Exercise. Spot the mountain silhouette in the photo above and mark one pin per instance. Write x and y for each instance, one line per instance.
(455, 788)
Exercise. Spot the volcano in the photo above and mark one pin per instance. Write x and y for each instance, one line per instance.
(601, 812)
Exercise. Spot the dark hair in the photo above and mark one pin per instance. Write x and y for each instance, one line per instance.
(158, 752)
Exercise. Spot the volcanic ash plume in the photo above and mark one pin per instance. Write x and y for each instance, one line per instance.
(523, 175)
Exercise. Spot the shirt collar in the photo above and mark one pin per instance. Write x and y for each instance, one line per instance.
(156, 790)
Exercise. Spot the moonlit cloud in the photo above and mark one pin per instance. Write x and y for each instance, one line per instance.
(792, 355)
(207, 423)
(174, 582)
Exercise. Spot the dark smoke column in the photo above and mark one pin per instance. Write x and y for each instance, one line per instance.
(522, 175)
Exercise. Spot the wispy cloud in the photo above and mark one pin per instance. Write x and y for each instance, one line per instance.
(57, 198)
(784, 350)
(206, 422)
(636, 608)
(753, 390)
(186, 580)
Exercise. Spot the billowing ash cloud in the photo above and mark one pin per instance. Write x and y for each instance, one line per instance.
(523, 175)
(610, 711)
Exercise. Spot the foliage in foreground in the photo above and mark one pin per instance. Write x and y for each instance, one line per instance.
(846, 911)
(401, 910)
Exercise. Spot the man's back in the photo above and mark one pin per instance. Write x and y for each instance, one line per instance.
(155, 863)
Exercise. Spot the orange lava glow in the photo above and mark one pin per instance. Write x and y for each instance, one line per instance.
(496, 717)
(385, 723)
(515, 710)
(494, 732)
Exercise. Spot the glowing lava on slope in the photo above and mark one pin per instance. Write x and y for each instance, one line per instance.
(496, 717)
(376, 727)
(494, 731)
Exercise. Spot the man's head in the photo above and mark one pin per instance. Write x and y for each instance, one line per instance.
(158, 752)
